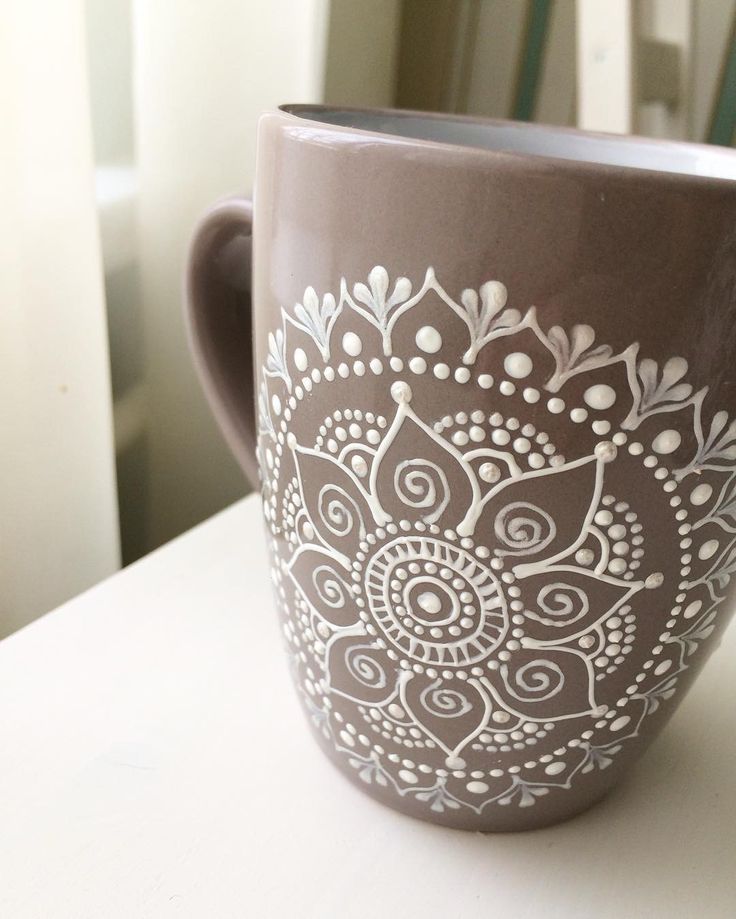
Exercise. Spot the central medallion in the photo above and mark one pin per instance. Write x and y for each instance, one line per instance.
(435, 602)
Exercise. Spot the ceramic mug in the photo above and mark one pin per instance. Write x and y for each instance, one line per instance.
(493, 367)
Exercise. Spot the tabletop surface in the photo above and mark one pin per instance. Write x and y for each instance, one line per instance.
(134, 782)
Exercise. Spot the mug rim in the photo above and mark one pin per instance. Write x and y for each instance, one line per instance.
(309, 113)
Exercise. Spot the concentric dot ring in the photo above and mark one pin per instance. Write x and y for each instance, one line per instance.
(435, 602)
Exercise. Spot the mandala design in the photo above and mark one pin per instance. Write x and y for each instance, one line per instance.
(461, 593)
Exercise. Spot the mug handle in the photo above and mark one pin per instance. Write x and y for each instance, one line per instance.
(219, 316)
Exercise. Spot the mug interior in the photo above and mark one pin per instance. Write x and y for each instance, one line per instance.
(535, 140)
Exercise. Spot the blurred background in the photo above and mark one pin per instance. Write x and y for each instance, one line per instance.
(121, 120)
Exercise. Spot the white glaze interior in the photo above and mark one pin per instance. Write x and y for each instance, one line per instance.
(537, 140)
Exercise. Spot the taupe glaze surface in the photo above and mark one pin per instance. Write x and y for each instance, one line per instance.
(501, 515)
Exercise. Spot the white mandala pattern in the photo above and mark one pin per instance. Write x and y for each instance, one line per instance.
(456, 592)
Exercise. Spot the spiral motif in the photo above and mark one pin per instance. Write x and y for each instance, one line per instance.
(443, 702)
(422, 485)
(365, 668)
(338, 511)
(561, 604)
(330, 588)
(536, 681)
(524, 528)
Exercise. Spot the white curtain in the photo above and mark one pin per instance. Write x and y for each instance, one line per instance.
(198, 76)
(58, 509)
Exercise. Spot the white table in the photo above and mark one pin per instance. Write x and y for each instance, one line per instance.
(132, 782)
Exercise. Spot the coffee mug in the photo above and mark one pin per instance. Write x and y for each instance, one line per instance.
(493, 372)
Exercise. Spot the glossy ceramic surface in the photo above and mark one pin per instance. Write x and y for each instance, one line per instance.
(495, 393)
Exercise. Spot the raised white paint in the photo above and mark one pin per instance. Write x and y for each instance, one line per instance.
(428, 339)
(518, 365)
(351, 344)
(600, 397)
(480, 620)
(701, 494)
(666, 442)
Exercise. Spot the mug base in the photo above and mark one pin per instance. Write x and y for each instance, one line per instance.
(511, 818)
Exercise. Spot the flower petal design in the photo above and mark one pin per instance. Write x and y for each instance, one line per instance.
(545, 684)
(566, 602)
(450, 710)
(413, 471)
(323, 584)
(335, 502)
(359, 670)
(539, 517)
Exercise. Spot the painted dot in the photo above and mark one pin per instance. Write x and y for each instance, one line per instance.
(417, 365)
(396, 364)
(276, 404)
(460, 438)
(455, 762)
(531, 395)
(554, 768)
(372, 436)
(522, 445)
(359, 368)
(701, 494)
(601, 427)
(617, 531)
(556, 406)
(636, 449)
(620, 723)
(708, 550)
(578, 415)
(441, 371)
(606, 451)
(352, 344)
(359, 465)
(507, 388)
(462, 374)
(666, 442)
(408, 777)
(500, 437)
(599, 397)
(429, 602)
(428, 339)
(477, 788)
(518, 365)
(654, 580)
(400, 391)
(620, 548)
(300, 359)
(587, 641)
(485, 381)
(376, 366)
(662, 668)
(536, 460)
(617, 566)
(584, 556)
(693, 609)
(489, 472)
(477, 434)
(500, 717)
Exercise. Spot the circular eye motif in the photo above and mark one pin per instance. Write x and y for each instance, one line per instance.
(435, 602)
